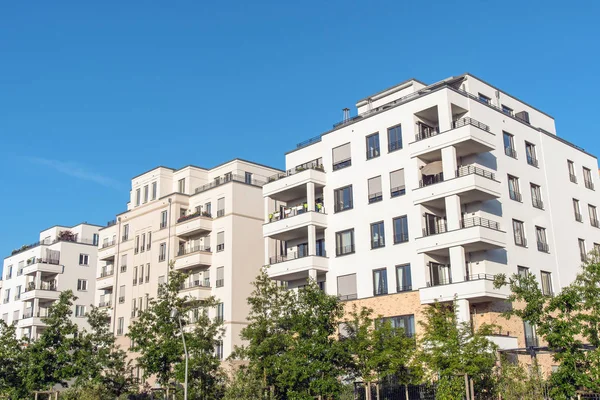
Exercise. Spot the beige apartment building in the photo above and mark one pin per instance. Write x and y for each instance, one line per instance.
(208, 222)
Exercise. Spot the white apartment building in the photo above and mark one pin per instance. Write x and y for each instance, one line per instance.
(428, 193)
(64, 258)
(208, 222)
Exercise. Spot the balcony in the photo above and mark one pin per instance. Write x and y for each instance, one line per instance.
(194, 224)
(45, 290)
(195, 290)
(469, 182)
(474, 234)
(188, 257)
(29, 320)
(105, 282)
(44, 265)
(289, 185)
(107, 253)
(475, 288)
(294, 223)
(105, 304)
(504, 342)
(293, 267)
(467, 135)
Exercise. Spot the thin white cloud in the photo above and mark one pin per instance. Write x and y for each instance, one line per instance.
(77, 171)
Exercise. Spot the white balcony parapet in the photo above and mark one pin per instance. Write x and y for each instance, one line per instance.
(194, 224)
(43, 265)
(474, 233)
(504, 342)
(478, 287)
(188, 257)
(296, 221)
(293, 178)
(287, 268)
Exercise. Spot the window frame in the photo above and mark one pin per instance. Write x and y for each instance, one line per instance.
(382, 272)
(404, 288)
(523, 241)
(376, 152)
(406, 235)
(380, 231)
(338, 239)
(337, 209)
(397, 134)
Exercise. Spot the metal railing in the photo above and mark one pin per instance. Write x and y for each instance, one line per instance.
(380, 242)
(478, 221)
(469, 121)
(124, 238)
(283, 258)
(472, 170)
(542, 246)
(440, 226)
(111, 223)
(220, 282)
(432, 179)
(439, 282)
(123, 268)
(221, 247)
(404, 288)
(589, 184)
(375, 197)
(194, 215)
(108, 243)
(315, 165)
(346, 297)
(162, 257)
(308, 142)
(520, 241)
(51, 242)
(135, 281)
(397, 191)
(122, 299)
(107, 272)
(105, 303)
(163, 224)
(514, 195)
(537, 203)
(425, 132)
(119, 331)
(342, 164)
(594, 222)
(341, 206)
(511, 152)
(195, 283)
(188, 250)
(226, 179)
(44, 285)
(532, 161)
(220, 213)
(289, 212)
(342, 250)
(479, 277)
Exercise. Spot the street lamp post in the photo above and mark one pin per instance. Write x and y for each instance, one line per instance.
(175, 314)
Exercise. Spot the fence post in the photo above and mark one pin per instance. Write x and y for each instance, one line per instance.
(472, 390)
(406, 391)
(467, 386)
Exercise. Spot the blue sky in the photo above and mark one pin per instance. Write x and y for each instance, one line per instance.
(93, 94)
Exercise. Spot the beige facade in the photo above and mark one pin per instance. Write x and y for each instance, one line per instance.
(207, 222)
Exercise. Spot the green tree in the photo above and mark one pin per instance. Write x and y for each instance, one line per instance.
(449, 349)
(244, 385)
(156, 336)
(51, 358)
(516, 382)
(12, 359)
(378, 351)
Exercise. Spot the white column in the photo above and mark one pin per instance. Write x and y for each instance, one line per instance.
(449, 162)
(463, 311)
(312, 240)
(36, 306)
(33, 332)
(457, 263)
(38, 279)
(310, 196)
(453, 212)
(445, 115)
(312, 274)
(266, 210)
(267, 250)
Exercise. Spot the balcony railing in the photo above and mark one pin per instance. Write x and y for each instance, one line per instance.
(30, 314)
(375, 197)
(520, 241)
(343, 250)
(532, 161)
(424, 132)
(220, 246)
(195, 283)
(537, 203)
(163, 224)
(288, 257)
(373, 153)
(469, 121)
(220, 282)
(542, 246)
(289, 212)
(341, 206)
(514, 195)
(395, 145)
(51, 286)
(531, 341)
(71, 239)
(405, 288)
(346, 297)
(123, 268)
(229, 178)
(439, 282)
(589, 184)
(342, 164)
(438, 227)
(105, 303)
(478, 221)
(431, 179)
(188, 250)
(397, 191)
(194, 215)
(316, 165)
(472, 170)
(107, 272)
(511, 152)
(121, 299)
(108, 243)
(220, 213)
(162, 257)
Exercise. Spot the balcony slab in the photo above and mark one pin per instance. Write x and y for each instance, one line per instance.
(474, 238)
(298, 268)
(190, 260)
(196, 226)
(288, 228)
(470, 188)
(291, 187)
(467, 139)
(476, 291)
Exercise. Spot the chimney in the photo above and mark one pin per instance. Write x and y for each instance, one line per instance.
(346, 114)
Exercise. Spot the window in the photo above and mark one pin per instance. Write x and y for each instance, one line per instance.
(161, 283)
(220, 312)
(154, 187)
(19, 291)
(135, 270)
(373, 146)
(146, 194)
(220, 277)
(122, 294)
(143, 244)
(519, 232)
(536, 196)
(596, 248)
(400, 229)
(572, 175)
(343, 198)
(531, 339)
(125, 232)
(5, 317)
(530, 154)
(137, 244)
(149, 241)
(380, 282)
(587, 178)
(540, 234)
(397, 186)
(577, 211)
(95, 239)
(439, 274)
(593, 215)
(341, 157)
(509, 145)
(248, 178)
(141, 279)
(375, 193)
(546, 279)
(120, 325)
(394, 138)
(147, 273)
(9, 272)
(15, 316)
(484, 99)
(507, 110)
(163, 219)
(208, 208)
(377, 235)
(79, 311)
(582, 250)
(219, 349)
(221, 207)
(181, 186)
(137, 197)
(82, 285)
(346, 287)
(6, 295)
(404, 322)
(220, 241)
(84, 259)
(523, 272)
(403, 278)
(344, 242)
(162, 252)
(513, 188)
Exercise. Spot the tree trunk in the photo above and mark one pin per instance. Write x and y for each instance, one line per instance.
(377, 389)
(406, 391)
(367, 391)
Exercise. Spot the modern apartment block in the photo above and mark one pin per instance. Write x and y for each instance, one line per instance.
(427, 194)
(208, 222)
(64, 258)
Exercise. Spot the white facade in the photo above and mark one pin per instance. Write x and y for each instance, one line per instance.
(208, 222)
(443, 163)
(35, 274)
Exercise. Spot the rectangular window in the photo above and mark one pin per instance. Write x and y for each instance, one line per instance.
(82, 285)
(138, 197)
(146, 194)
(208, 209)
(248, 178)
(220, 312)
(219, 353)
(163, 219)
(149, 241)
(162, 252)
(540, 234)
(394, 138)
(484, 99)
(143, 243)
(84, 259)
(6, 295)
(120, 326)
(531, 339)
(181, 186)
(79, 311)
(125, 232)
(147, 273)
(509, 145)
(400, 229)
(593, 215)
(572, 175)
(531, 155)
(19, 291)
(439, 274)
(341, 157)
(95, 239)
(122, 294)
(587, 178)
(343, 198)
(137, 244)
(397, 185)
(513, 188)
(375, 191)
(346, 287)
(135, 270)
(141, 278)
(380, 282)
(404, 322)
(519, 232)
(344, 242)
(577, 211)
(523, 272)
(9, 272)
(507, 110)
(582, 250)
(403, 278)
(220, 277)
(154, 190)
(221, 207)
(536, 196)
(546, 279)
(377, 235)
(220, 241)
(123, 262)
(373, 146)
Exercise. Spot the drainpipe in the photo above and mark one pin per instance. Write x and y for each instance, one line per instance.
(116, 286)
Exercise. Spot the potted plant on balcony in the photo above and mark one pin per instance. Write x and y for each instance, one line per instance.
(66, 236)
